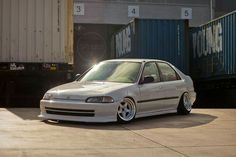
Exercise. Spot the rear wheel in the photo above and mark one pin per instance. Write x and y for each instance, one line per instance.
(126, 110)
(185, 105)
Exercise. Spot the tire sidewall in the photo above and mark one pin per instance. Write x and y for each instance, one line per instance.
(181, 107)
(123, 121)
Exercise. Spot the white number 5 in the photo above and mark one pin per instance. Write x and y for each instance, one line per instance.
(186, 13)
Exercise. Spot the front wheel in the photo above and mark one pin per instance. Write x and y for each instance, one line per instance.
(126, 111)
(185, 105)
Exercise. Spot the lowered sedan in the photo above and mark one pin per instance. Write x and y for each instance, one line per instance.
(121, 90)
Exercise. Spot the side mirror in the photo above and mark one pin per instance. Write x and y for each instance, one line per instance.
(77, 76)
(148, 79)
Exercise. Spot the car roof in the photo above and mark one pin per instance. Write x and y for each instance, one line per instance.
(135, 60)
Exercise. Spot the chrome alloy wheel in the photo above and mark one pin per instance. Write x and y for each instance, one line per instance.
(126, 110)
(186, 102)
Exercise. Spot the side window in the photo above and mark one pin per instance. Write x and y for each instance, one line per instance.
(151, 69)
(167, 72)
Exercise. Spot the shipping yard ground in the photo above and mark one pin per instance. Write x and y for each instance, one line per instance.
(205, 132)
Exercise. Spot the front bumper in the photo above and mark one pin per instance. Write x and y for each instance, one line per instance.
(70, 110)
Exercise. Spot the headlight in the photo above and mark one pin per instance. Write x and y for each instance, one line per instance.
(100, 99)
(47, 96)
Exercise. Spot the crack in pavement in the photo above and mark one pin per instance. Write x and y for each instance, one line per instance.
(155, 141)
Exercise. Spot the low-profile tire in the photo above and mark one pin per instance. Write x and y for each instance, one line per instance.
(126, 111)
(185, 105)
(51, 121)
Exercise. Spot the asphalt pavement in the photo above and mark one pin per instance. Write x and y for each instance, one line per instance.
(205, 132)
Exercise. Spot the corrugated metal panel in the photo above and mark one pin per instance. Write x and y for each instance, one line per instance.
(70, 32)
(213, 52)
(1, 16)
(116, 11)
(35, 31)
(151, 38)
(1, 28)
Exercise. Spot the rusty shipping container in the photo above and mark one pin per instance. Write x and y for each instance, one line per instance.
(36, 31)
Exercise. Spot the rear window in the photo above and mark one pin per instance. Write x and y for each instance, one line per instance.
(167, 72)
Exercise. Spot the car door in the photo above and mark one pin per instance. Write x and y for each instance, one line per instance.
(172, 86)
(150, 93)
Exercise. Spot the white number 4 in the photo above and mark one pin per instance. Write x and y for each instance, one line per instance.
(133, 11)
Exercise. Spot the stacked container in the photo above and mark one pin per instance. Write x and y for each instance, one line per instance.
(155, 38)
(213, 52)
(36, 49)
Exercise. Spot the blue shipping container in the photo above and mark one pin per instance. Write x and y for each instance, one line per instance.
(155, 38)
(212, 47)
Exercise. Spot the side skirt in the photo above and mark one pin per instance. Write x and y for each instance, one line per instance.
(153, 113)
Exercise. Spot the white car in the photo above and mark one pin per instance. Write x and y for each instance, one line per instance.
(121, 90)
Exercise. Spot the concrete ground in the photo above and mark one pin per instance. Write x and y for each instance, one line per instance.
(205, 132)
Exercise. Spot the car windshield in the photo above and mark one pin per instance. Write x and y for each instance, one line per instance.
(113, 71)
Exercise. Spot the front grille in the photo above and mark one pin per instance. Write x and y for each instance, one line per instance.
(69, 112)
(68, 99)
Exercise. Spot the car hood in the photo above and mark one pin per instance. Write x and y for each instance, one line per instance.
(77, 90)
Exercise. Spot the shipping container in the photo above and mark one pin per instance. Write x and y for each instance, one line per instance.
(213, 62)
(155, 38)
(213, 49)
(36, 31)
(36, 49)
